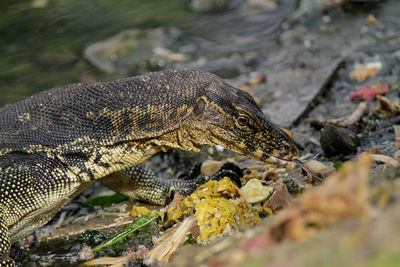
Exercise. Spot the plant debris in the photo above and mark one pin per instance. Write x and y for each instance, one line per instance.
(387, 107)
(138, 224)
(293, 187)
(351, 119)
(396, 135)
(170, 242)
(113, 261)
(385, 159)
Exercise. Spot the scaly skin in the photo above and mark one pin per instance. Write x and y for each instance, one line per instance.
(56, 143)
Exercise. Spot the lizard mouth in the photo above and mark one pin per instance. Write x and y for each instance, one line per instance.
(298, 162)
(266, 155)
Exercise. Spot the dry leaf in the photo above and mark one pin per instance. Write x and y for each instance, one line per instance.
(342, 195)
(385, 159)
(111, 261)
(257, 79)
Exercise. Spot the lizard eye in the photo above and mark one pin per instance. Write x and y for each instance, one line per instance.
(243, 120)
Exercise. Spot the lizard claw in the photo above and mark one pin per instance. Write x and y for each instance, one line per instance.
(231, 171)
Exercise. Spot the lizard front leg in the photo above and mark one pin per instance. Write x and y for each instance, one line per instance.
(5, 245)
(143, 184)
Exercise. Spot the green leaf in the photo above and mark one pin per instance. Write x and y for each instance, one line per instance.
(105, 201)
(338, 164)
(140, 223)
(293, 187)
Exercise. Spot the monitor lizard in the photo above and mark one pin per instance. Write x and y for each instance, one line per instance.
(56, 143)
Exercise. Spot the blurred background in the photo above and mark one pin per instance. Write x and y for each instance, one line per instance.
(299, 58)
(294, 44)
(47, 43)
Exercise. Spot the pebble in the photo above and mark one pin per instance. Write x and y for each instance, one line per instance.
(210, 167)
(336, 140)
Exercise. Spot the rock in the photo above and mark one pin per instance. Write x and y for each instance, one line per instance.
(208, 6)
(225, 67)
(268, 5)
(282, 100)
(135, 51)
(280, 199)
(337, 140)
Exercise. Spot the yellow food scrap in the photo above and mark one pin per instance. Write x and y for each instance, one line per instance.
(254, 191)
(218, 207)
(137, 211)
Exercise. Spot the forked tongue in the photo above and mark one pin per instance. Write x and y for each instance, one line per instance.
(301, 165)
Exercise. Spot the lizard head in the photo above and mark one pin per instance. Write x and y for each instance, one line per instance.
(233, 120)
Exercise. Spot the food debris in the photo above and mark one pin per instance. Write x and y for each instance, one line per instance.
(363, 71)
(342, 195)
(138, 211)
(253, 174)
(254, 191)
(368, 93)
(218, 207)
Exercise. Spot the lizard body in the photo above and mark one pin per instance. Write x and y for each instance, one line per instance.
(56, 143)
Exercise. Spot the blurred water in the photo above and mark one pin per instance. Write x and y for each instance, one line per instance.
(42, 41)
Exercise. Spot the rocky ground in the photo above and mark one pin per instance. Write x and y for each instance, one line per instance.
(332, 78)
